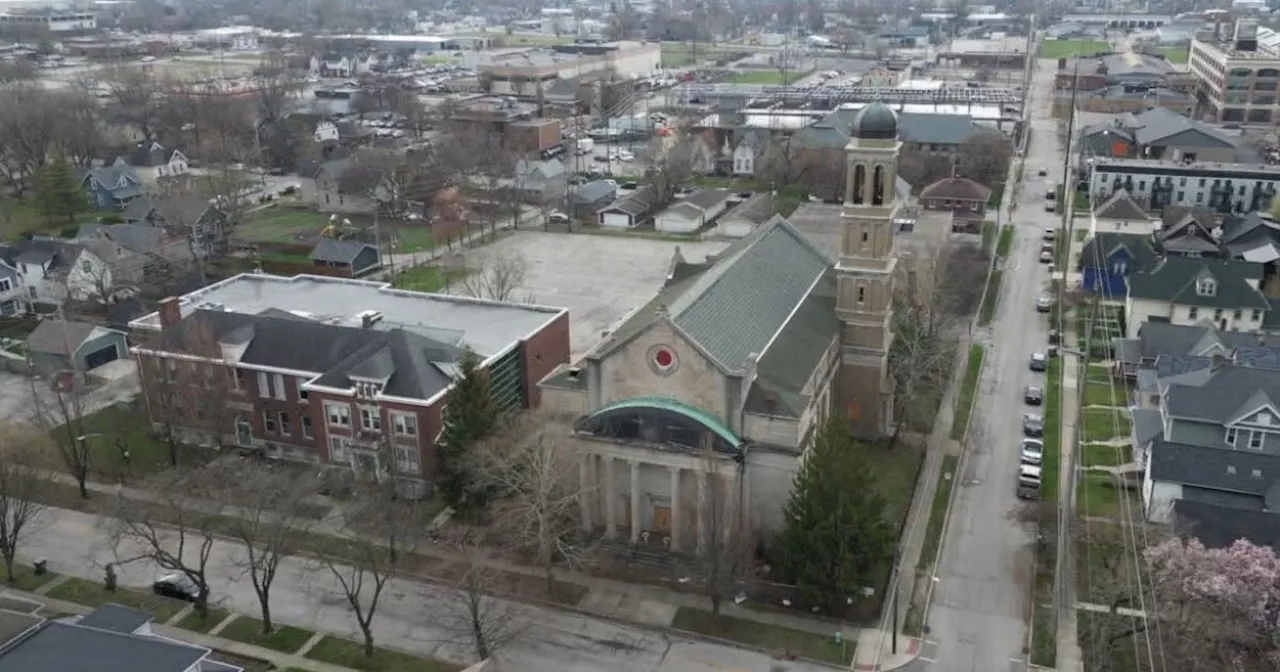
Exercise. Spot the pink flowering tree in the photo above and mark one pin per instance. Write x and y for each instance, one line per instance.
(1218, 608)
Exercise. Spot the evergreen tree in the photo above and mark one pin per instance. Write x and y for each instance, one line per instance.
(836, 532)
(470, 416)
(59, 192)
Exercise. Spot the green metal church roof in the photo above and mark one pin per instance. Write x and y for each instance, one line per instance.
(674, 406)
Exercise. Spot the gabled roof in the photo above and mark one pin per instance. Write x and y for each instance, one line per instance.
(1099, 249)
(1186, 228)
(1160, 126)
(1164, 338)
(757, 209)
(593, 191)
(636, 203)
(548, 169)
(1253, 237)
(1221, 394)
(110, 176)
(1120, 206)
(786, 366)
(937, 129)
(180, 211)
(956, 188)
(704, 199)
(58, 337)
(1219, 526)
(732, 305)
(1174, 279)
(134, 237)
(339, 251)
(1207, 467)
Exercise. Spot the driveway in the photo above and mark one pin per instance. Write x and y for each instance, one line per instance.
(18, 396)
(413, 617)
(981, 601)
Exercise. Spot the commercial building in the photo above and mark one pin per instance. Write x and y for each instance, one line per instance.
(524, 73)
(350, 374)
(52, 20)
(1222, 187)
(1238, 77)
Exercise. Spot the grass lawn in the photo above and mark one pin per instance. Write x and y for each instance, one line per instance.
(1069, 48)
(93, 594)
(1080, 235)
(351, 654)
(285, 638)
(520, 40)
(1105, 394)
(990, 298)
(123, 424)
(1175, 54)
(197, 622)
(1052, 431)
(1102, 424)
(425, 278)
(281, 224)
(1098, 497)
(1101, 455)
(988, 235)
(938, 511)
(18, 217)
(1098, 373)
(765, 636)
(766, 77)
(1094, 632)
(25, 578)
(1006, 242)
(968, 388)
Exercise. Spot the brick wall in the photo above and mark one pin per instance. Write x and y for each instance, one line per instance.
(543, 352)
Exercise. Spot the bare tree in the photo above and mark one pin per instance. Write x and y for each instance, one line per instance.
(496, 280)
(271, 515)
(137, 96)
(22, 483)
(476, 618)
(669, 166)
(725, 545)
(176, 530)
(29, 131)
(379, 531)
(60, 411)
(984, 157)
(536, 493)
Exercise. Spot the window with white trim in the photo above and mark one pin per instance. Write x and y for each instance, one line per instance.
(408, 460)
(286, 427)
(1206, 287)
(404, 424)
(303, 395)
(279, 387)
(264, 385)
(1255, 440)
(271, 422)
(306, 427)
(338, 452)
(339, 414)
(1231, 436)
(371, 419)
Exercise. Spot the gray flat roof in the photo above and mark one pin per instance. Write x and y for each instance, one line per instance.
(488, 327)
(68, 648)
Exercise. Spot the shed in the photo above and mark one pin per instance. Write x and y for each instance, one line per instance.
(629, 211)
(58, 345)
(353, 256)
(693, 212)
(746, 216)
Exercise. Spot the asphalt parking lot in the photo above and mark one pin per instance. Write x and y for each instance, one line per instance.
(598, 277)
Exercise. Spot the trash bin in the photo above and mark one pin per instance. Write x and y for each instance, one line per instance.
(41, 567)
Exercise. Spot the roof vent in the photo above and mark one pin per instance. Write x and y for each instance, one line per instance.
(574, 373)
(369, 318)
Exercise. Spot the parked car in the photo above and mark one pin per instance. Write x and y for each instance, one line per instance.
(1031, 451)
(1043, 304)
(1033, 425)
(1048, 207)
(1046, 256)
(1039, 361)
(1033, 395)
(1028, 482)
(629, 185)
(1050, 234)
(1043, 172)
(177, 585)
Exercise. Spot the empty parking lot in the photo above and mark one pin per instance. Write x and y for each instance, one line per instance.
(599, 278)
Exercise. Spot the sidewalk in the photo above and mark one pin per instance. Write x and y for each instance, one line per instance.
(643, 604)
(1070, 657)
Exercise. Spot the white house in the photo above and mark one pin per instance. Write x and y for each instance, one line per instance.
(693, 212)
(52, 272)
(326, 131)
(1223, 293)
(1120, 214)
(629, 211)
(152, 161)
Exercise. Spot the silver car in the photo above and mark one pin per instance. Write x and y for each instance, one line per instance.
(1032, 452)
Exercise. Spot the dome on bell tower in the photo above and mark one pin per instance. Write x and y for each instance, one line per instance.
(875, 122)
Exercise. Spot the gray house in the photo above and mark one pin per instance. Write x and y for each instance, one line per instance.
(589, 199)
(352, 256)
(56, 346)
(1218, 456)
(540, 181)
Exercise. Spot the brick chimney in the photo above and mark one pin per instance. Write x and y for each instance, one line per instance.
(170, 312)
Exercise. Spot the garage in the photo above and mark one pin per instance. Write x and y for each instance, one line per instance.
(103, 355)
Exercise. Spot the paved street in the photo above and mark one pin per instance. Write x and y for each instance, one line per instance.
(413, 617)
(978, 617)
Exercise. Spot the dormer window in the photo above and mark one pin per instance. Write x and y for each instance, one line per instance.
(1206, 287)
(367, 390)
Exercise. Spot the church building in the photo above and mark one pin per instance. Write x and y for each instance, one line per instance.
(693, 413)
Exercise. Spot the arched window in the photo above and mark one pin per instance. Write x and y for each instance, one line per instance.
(859, 184)
(877, 188)
(659, 421)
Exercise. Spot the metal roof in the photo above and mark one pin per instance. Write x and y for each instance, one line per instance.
(850, 93)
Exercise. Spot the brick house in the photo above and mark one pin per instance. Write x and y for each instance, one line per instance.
(259, 362)
(965, 198)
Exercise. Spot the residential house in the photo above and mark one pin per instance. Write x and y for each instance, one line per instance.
(1215, 467)
(54, 271)
(181, 217)
(634, 209)
(13, 293)
(153, 161)
(963, 197)
(585, 201)
(337, 66)
(1108, 259)
(1225, 293)
(540, 181)
(356, 183)
(692, 212)
(1120, 214)
(112, 187)
(326, 133)
(351, 374)
(1253, 237)
(1188, 230)
(111, 637)
(354, 257)
(747, 151)
(1163, 350)
(64, 345)
(743, 218)
(136, 251)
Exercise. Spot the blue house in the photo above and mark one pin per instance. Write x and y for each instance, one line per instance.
(1109, 258)
(112, 187)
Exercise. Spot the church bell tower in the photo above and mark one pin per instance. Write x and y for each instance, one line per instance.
(865, 271)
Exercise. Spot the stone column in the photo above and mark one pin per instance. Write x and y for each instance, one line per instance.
(702, 512)
(635, 501)
(610, 499)
(584, 492)
(675, 508)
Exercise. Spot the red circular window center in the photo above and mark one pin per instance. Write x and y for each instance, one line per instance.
(663, 358)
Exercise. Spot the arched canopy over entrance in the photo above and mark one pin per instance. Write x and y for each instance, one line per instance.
(661, 421)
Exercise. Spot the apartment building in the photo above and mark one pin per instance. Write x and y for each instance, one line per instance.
(1225, 188)
(1238, 77)
(346, 373)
